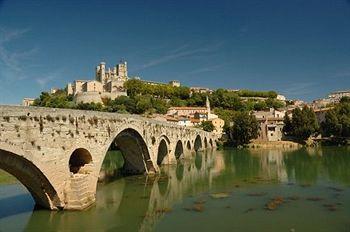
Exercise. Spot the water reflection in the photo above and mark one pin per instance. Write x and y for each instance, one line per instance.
(138, 203)
(134, 203)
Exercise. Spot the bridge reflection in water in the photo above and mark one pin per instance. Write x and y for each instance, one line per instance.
(136, 203)
(140, 203)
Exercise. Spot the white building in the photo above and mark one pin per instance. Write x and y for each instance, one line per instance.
(336, 96)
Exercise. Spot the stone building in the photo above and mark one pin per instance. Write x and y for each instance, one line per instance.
(108, 83)
(196, 89)
(218, 124)
(271, 124)
(202, 113)
(27, 101)
(194, 116)
(321, 113)
(173, 83)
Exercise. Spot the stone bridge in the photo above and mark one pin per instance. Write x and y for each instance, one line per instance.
(57, 154)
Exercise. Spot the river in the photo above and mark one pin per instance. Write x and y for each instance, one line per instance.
(229, 190)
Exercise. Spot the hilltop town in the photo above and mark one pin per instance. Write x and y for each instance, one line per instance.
(113, 90)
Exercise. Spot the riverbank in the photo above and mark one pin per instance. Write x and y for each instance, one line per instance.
(273, 144)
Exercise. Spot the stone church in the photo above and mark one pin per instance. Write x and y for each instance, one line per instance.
(108, 83)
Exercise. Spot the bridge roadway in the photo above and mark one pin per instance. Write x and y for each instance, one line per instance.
(57, 154)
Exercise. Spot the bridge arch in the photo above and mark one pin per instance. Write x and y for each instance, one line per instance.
(179, 150)
(163, 149)
(134, 150)
(197, 143)
(79, 158)
(41, 189)
(188, 145)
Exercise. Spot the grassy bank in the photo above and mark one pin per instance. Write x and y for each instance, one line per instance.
(6, 178)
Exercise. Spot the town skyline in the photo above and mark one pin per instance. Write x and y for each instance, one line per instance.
(258, 46)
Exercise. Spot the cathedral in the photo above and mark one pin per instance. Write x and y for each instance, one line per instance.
(108, 83)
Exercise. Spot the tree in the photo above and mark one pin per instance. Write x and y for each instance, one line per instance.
(143, 104)
(331, 126)
(274, 103)
(260, 105)
(207, 126)
(90, 106)
(345, 99)
(59, 99)
(226, 115)
(134, 87)
(337, 120)
(245, 128)
(159, 105)
(304, 123)
(122, 104)
(287, 129)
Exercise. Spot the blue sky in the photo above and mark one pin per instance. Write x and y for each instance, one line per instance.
(301, 48)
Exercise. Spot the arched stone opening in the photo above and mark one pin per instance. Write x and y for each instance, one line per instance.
(79, 158)
(179, 150)
(197, 143)
(188, 145)
(32, 178)
(205, 142)
(211, 142)
(134, 151)
(163, 151)
(112, 164)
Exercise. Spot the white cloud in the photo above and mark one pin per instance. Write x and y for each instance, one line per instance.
(178, 53)
(204, 69)
(13, 62)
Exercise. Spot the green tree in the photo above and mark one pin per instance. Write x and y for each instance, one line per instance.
(207, 126)
(134, 87)
(245, 128)
(274, 103)
(287, 129)
(59, 99)
(331, 126)
(345, 99)
(260, 105)
(337, 120)
(304, 123)
(143, 104)
(226, 115)
(159, 105)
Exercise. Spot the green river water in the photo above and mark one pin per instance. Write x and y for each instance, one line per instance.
(230, 190)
